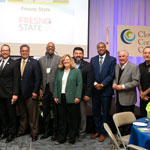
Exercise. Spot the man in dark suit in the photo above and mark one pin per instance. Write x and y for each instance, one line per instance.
(49, 66)
(9, 90)
(104, 71)
(30, 86)
(87, 78)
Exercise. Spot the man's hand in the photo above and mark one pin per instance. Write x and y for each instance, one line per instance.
(56, 100)
(14, 98)
(117, 87)
(41, 93)
(34, 95)
(99, 86)
(86, 98)
(76, 100)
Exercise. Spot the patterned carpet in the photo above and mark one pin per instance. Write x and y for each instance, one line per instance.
(25, 143)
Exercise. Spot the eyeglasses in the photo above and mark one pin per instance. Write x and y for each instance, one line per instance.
(5, 50)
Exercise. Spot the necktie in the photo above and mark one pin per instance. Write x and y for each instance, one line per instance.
(2, 65)
(23, 66)
(100, 64)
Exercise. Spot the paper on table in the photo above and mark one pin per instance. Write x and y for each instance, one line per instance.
(144, 130)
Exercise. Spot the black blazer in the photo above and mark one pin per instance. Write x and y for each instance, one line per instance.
(87, 78)
(31, 79)
(9, 83)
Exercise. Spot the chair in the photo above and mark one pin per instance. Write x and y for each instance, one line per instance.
(121, 119)
(115, 144)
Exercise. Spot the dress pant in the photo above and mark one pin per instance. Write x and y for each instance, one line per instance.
(7, 116)
(71, 112)
(100, 104)
(48, 107)
(142, 107)
(28, 110)
(82, 126)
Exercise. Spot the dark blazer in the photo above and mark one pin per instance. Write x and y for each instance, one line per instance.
(107, 73)
(73, 87)
(9, 83)
(32, 78)
(87, 77)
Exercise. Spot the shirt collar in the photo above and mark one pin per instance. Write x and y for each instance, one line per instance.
(123, 66)
(24, 59)
(5, 60)
(102, 57)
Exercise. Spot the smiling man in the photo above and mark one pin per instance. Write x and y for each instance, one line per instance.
(104, 72)
(127, 78)
(144, 87)
(49, 66)
(87, 78)
(9, 90)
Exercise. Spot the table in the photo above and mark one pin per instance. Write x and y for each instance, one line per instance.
(140, 136)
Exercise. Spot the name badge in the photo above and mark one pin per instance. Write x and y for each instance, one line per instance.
(48, 70)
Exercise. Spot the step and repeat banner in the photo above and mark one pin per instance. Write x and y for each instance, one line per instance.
(133, 39)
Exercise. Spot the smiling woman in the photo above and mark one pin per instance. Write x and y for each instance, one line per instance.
(67, 95)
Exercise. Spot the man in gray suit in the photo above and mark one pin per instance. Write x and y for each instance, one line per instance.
(49, 66)
(127, 78)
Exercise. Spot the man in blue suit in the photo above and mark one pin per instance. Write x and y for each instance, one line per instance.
(104, 71)
(30, 85)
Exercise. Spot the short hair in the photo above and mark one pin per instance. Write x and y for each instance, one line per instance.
(5, 45)
(101, 43)
(78, 48)
(72, 63)
(127, 53)
(145, 48)
(24, 45)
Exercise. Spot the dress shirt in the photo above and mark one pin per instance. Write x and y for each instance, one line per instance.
(64, 81)
(5, 61)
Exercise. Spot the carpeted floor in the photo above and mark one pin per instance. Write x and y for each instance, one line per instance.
(25, 143)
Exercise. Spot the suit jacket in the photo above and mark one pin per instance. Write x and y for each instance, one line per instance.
(87, 77)
(107, 73)
(31, 79)
(73, 86)
(131, 79)
(54, 68)
(9, 83)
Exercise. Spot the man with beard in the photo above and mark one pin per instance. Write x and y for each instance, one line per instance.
(49, 66)
(9, 90)
(87, 75)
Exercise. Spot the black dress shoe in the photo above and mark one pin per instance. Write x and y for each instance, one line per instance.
(53, 138)
(2, 136)
(34, 138)
(10, 138)
(44, 136)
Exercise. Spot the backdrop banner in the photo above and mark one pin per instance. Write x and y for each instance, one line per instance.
(133, 39)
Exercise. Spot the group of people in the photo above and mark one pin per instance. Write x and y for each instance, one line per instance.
(65, 85)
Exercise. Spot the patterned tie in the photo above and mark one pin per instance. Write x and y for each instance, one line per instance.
(2, 65)
(100, 64)
(23, 66)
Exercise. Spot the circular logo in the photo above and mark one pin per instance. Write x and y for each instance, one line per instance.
(127, 36)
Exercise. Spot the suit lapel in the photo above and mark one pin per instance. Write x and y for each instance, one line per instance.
(27, 66)
(53, 62)
(6, 65)
(124, 72)
(105, 63)
(117, 73)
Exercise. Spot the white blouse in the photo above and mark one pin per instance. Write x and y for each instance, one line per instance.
(64, 81)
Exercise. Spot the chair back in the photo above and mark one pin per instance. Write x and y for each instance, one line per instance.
(123, 118)
(111, 135)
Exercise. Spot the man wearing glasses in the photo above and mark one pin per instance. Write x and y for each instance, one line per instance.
(9, 90)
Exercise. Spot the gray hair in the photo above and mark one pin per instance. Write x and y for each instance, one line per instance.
(125, 51)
